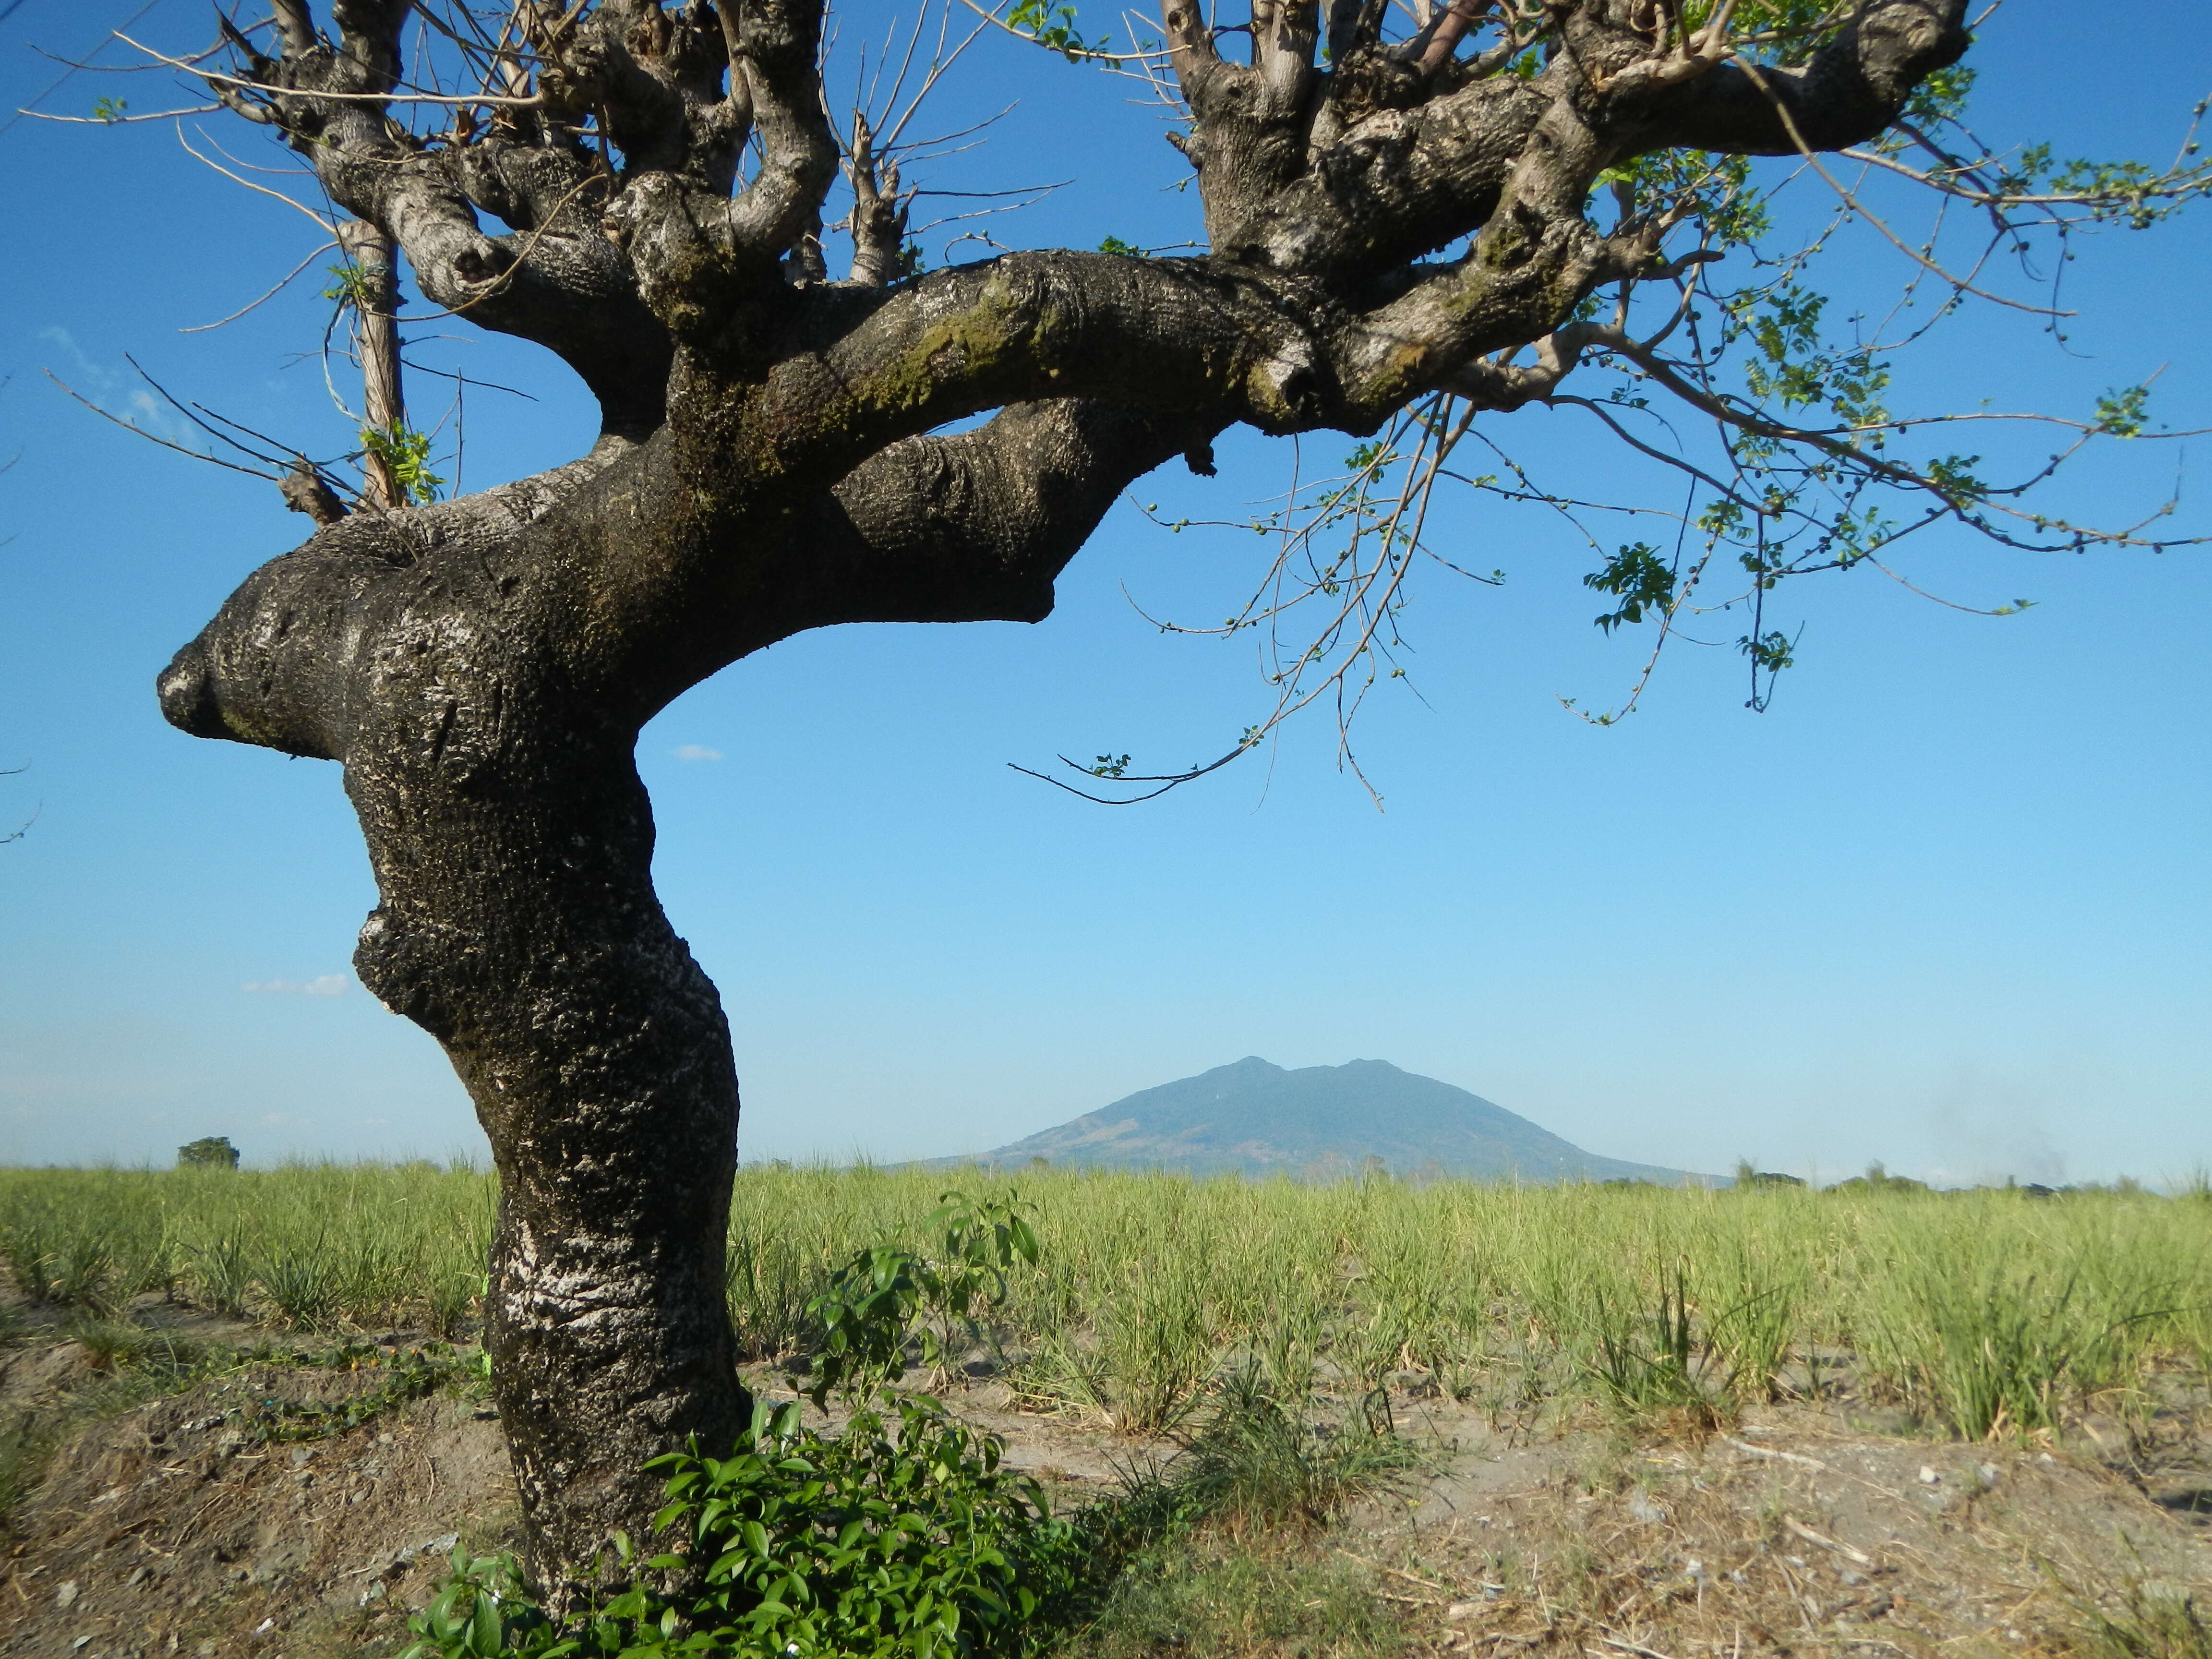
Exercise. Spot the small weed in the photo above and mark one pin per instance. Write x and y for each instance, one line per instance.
(769, 1282)
(887, 1300)
(405, 454)
(303, 1286)
(222, 1277)
(1221, 1600)
(2150, 1622)
(157, 1267)
(1255, 1465)
(450, 1304)
(411, 1376)
(1648, 1364)
(107, 1343)
(27, 1441)
(29, 1252)
(84, 1273)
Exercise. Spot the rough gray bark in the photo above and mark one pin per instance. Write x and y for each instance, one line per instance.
(482, 668)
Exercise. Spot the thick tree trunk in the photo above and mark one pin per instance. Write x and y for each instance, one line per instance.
(524, 933)
(511, 842)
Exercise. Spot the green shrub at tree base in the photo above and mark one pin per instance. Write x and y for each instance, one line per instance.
(903, 1535)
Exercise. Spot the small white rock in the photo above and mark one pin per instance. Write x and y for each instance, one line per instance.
(1927, 1476)
(65, 1597)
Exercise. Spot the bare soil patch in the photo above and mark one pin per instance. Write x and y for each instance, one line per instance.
(1795, 1532)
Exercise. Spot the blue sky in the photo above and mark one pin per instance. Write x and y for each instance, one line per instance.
(1945, 904)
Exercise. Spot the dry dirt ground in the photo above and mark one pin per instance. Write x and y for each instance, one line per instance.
(166, 1528)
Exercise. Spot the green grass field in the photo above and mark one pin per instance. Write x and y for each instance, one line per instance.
(1976, 1313)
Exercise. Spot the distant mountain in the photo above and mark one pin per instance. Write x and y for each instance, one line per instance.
(1260, 1120)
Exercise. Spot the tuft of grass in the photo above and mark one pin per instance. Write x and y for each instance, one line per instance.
(1231, 1602)
(768, 1281)
(1758, 1326)
(107, 1343)
(1260, 1464)
(28, 1249)
(1157, 1347)
(158, 1268)
(27, 1443)
(305, 1287)
(1647, 1362)
(222, 1277)
(2150, 1622)
(84, 1271)
(450, 1304)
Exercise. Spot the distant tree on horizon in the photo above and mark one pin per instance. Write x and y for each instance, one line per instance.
(208, 1152)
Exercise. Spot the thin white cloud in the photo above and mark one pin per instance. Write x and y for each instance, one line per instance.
(326, 985)
(697, 751)
(116, 394)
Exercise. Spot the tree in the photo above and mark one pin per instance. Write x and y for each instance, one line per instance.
(208, 1152)
(1439, 216)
